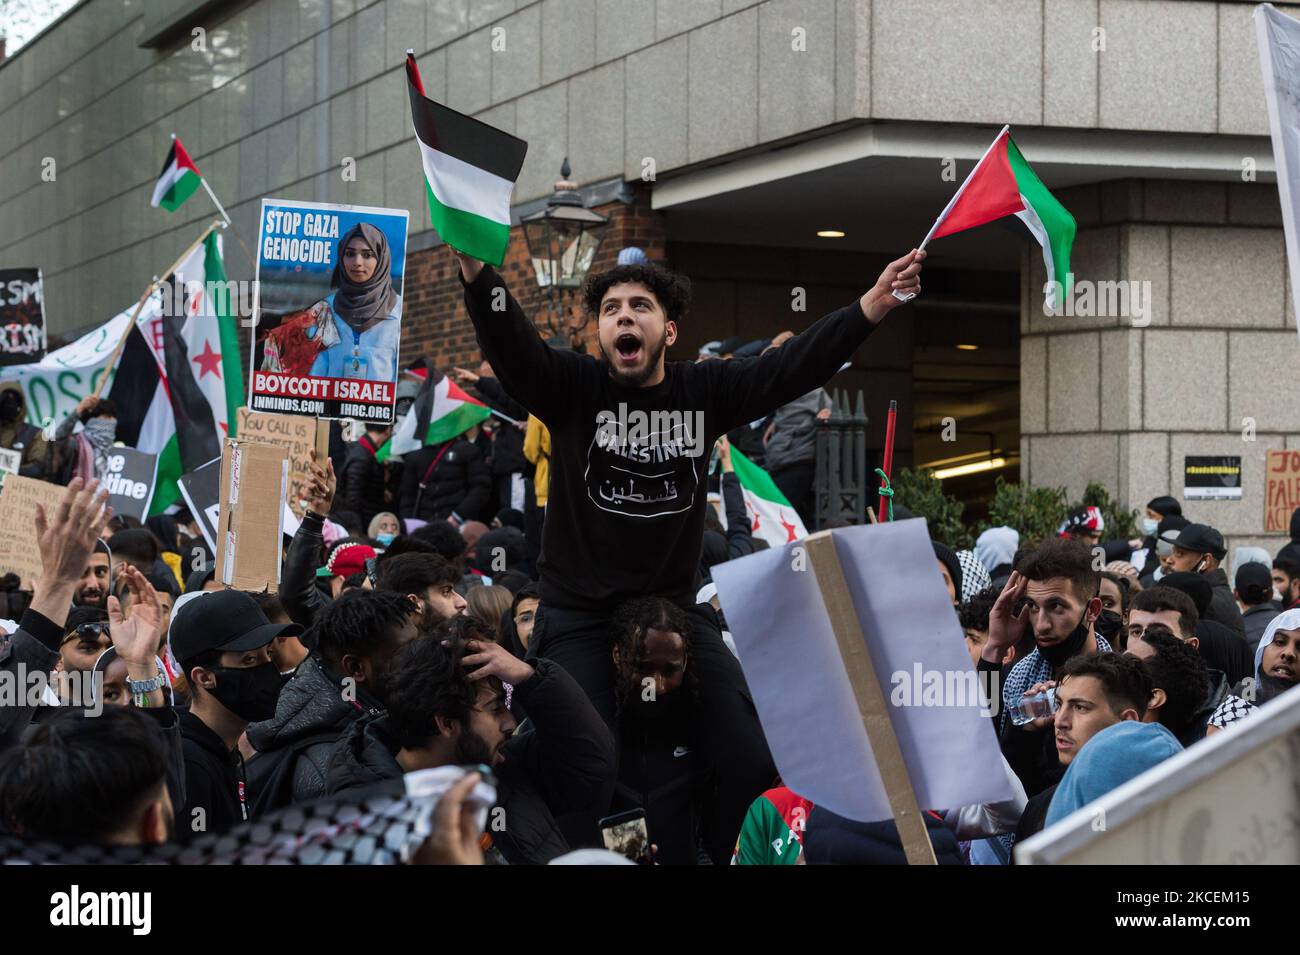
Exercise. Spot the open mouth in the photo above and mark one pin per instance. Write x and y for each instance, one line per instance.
(1283, 671)
(1063, 743)
(628, 348)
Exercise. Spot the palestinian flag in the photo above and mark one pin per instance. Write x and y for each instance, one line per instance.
(470, 170)
(771, 515)
(441, 411)
(180, 380)
(178, 180)
(1003, 184)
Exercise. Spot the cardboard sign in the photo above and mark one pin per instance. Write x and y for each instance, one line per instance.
(18, 499)
(22, 320)
(329, 311)
(201, 489)
(1211, 478)
(254, 481)
(10, 460)
(1281, 490)
(129, 476)
(298, 435)
(836, 739)
(1230, 799)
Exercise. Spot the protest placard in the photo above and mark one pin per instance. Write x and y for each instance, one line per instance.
(1281, 490)
(329, 313)
(1230, 799)
(1212, 477)
(22, 319)
(254, 481)
(18, 499)
(129, 476)
(298, 435)
(201, 490)
(10, 460)
(855, 660)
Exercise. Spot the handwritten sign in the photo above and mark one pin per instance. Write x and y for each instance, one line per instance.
(1281, 490)
(297, 434)
(18, 499)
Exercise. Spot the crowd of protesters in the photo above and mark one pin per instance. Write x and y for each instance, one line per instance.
(482, 603)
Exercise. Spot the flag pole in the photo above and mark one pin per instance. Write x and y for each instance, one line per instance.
(229, 223)
(908, 296)
(139, 306)
(886, 507)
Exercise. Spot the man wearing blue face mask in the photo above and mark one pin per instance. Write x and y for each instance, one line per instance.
(1157, 509)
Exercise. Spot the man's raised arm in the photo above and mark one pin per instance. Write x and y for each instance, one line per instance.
(532, 373)
(754, 387)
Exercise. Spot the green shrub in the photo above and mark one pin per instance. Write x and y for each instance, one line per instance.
(924, 497)
(1036, 512)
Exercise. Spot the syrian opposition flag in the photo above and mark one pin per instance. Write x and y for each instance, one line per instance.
(470, 170)
(441, 411)
(178, 180)
(180, 379)
(771, 516)
(1002, 184)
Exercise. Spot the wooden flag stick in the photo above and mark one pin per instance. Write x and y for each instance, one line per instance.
(872, 705)
(139, 306)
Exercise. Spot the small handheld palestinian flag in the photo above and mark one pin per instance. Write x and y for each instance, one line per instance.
(441, 411)
(1003, 184)
(470, 170)
(178, 181)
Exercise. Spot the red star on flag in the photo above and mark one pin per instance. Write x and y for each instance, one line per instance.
(789, 528)
(208, 361)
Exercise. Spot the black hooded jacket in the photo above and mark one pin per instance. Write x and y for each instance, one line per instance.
(455, 478)
(362, 481)
(310, 715)
(562, 763)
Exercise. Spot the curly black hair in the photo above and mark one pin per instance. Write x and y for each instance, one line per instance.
(672, 291)
(358, 623)
(1125, 682)
(632, 620)
(974, 613)
(1179, 670)
(427, 681)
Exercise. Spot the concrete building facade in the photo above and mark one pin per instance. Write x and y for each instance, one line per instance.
(722, 135)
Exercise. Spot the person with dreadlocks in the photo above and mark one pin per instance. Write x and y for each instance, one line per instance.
(447, 705)
(661, 768)
(355, 640)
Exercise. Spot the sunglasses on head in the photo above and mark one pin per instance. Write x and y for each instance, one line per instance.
(88, 631)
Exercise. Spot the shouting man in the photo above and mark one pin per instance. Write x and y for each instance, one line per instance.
(630, 442)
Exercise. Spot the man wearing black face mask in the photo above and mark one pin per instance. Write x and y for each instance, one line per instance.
(222, 641)
(1054, 591)
(17, 435)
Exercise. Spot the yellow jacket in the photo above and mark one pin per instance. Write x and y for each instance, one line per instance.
(537, 449)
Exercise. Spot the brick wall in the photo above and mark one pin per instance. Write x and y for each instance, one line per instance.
(434, 322)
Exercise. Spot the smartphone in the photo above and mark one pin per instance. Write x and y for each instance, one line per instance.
(625, 833)
(371, 565)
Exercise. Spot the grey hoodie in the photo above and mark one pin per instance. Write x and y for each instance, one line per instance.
(794, 431)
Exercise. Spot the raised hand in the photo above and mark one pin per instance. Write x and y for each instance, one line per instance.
(137, 632)
(321, 485)
(66, 539)
(902, 276)
(1005, 628)
(492, 659)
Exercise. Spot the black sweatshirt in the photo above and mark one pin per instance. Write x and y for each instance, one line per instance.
(625, 519)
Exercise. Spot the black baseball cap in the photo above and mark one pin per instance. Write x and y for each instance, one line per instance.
(225, 620)
(1201, 539)
(1254, 574)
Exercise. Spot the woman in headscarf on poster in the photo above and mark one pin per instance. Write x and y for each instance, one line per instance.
(365, 310)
